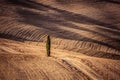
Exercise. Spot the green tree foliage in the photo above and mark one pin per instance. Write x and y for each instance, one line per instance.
(48, 45)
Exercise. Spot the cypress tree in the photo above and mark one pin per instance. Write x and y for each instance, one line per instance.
(48, 45)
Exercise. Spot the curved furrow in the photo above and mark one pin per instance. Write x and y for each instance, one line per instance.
(80, 75)
(2, 21)
(31, 37)
(46, 74)
(20, 31)
(84, 41)
(86, 48)
(6, 27)
(83, 44)
(35, 73)
(8, 30)
(49, 67)
(22, 35)
(97, 36)
(39, 37)
(36, 34)
(100, 30)
(20, 70)
(93, 67)
(111, 69)
(109, 31)
(99, 67)
(65, 75)
(27, 33)
(86, 70)
(14, 30)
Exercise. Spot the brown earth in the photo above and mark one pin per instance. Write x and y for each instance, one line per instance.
(85, 37)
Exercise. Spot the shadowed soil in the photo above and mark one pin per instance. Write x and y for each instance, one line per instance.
(85, 37)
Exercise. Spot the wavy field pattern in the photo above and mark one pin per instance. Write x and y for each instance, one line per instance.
(85, 46)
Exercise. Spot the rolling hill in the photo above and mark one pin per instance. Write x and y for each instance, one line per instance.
(85, 39)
